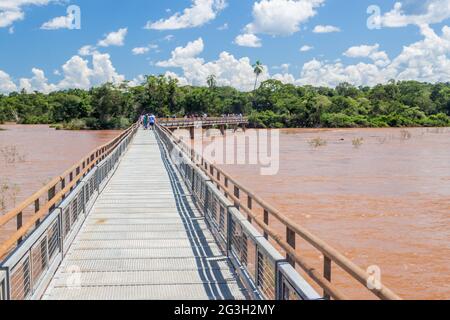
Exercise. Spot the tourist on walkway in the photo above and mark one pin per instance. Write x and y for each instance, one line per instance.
(145, 121)
(152, 121)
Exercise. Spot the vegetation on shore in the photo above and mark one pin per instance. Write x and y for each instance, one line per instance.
(271, 105)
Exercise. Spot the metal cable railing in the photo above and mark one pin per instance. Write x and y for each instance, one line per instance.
(31, 211)
(197, 171)
(29, 266)
(263, 270)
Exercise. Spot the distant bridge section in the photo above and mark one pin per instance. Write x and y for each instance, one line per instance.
(191, 124)
(204, 122)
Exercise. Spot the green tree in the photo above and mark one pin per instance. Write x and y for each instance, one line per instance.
(258, 69)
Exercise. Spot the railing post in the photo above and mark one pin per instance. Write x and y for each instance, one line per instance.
(237, 195)
(226, 187)
(36, 209)
(326, 274)
(266, 221)
(278, 284)
(250, 206)
(290, 239)
(51, 195)
(63, 186)
(229, 230)
(19, 220)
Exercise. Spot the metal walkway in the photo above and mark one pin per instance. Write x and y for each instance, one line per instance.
(122, 224)
(145, 239)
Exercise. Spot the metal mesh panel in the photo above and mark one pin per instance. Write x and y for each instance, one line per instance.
(80, 200)
(53, 240)
(39, 258)
(66, 223)
(266, 276)
(2, 285)
(238, 242)
(74, 210)
(20, 280)
(87, 193)
(288, 292)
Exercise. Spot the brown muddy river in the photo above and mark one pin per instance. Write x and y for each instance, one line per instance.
(30, 156)
(383, 201)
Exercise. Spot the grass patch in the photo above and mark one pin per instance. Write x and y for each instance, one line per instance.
(11, 155)
(405, 135)
(357, 142)
(317, 142)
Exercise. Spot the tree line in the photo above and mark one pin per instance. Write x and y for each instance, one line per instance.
(271, 105)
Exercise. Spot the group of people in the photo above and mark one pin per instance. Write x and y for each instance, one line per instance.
(232, 115)
(148, 121)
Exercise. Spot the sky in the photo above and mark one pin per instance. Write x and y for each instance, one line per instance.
(48, 45)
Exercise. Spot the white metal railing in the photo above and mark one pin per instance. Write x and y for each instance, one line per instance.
(27, 271)
(263, 270)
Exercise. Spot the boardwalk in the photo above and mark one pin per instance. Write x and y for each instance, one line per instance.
(122, 224)
(145, 239)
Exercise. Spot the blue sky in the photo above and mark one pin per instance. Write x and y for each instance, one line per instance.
(40, 49)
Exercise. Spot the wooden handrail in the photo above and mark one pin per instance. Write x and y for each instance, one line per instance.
(328, 251)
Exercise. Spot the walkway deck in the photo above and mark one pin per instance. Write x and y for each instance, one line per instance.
(144, 239)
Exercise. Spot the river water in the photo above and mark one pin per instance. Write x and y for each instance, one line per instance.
(30, 156)
(380, 196)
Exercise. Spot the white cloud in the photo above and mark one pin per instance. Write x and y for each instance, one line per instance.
(64, 22)
(87, 50)
(37, 83)
(116, 38)
(144, 50)
(223, 27)
(306, 48)
(76, 73)
(281, 17)
(6, 83)
(183, 55)
(103, 70)
(372, 52)
(229, 71)
(434, 11)
(137, 81)
(181, 80)
(284, 67)
(12, 10)
(140, 50)
(248, 40)
(200, 12)
(427, 60)
(169, 37)
(326, 29)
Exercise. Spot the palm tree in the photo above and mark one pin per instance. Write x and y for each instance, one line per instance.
(211, 81)
(258, 68)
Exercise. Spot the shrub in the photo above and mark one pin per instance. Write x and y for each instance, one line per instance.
(317, 142)
(76, 124)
